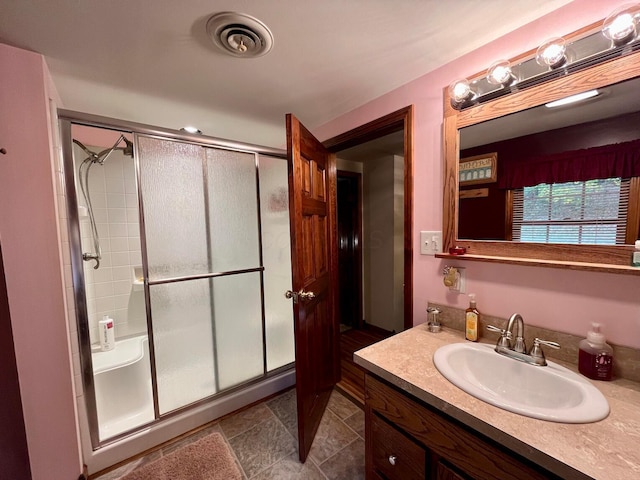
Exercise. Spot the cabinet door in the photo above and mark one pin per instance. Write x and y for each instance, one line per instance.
(394, 455)
(466, 452)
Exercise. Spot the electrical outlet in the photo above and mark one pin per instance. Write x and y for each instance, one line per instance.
(430, 242)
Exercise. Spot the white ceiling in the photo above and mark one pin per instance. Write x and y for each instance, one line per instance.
(150, 61)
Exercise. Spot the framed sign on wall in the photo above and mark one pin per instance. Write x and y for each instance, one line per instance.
(478, 169)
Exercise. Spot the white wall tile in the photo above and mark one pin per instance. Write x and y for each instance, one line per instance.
(113, 167)
(122, 273)
(135, 258)
(134, 244)
(105, 304)
(121, 302)
(116, 200)
(118, 230)
(98, 199)
(122, 287)
(115, 185)
(120, 259)
(100, 215)
(117, 215)
(104, 289)
(133, 229)
(132, 215)
(130, 185)
(131, 200)
(103, 274)
(120, 244)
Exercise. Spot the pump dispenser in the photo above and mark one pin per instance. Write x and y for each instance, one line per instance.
(595, 356)
(472, 319)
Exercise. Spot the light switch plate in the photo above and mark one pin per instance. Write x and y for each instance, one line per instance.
(430, 242)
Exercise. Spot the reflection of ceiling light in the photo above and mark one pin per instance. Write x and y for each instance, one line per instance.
(460, 90)
(552, 53)
(620, 26)
(573, 98)
(499, 73)
(190, 129)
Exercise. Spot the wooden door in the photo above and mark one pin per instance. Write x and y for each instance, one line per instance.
(312, 212)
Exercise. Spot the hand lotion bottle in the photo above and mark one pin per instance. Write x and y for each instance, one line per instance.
(471, 320)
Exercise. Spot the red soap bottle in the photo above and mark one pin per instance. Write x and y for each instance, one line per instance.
(595, 356)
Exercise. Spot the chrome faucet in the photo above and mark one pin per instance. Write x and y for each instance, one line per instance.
(518, 350)
(520, 345)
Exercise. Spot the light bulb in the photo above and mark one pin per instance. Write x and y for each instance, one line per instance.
(499, 73)
(621, 25)
(190, 129)
(552, 53)
(460, 90)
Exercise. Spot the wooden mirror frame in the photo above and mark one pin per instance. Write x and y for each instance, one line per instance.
(603, 258)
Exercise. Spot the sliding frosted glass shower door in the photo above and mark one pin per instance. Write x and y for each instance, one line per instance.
(203, 266)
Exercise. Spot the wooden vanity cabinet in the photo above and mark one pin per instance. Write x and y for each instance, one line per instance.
(407, 440)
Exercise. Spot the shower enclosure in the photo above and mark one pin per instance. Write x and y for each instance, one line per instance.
(183, 242)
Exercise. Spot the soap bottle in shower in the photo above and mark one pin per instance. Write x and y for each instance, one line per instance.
(595, 356)
(106, 329)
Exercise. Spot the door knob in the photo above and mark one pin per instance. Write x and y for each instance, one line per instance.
(306, 295)
(299, 296)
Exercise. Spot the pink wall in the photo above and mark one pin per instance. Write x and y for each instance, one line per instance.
(562, 300)
(29, 237)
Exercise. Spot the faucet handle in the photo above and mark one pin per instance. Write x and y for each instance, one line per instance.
(537, 342)
(505, 336)
(536, 350)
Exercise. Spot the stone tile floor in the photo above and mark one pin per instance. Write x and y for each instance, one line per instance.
(263, 439)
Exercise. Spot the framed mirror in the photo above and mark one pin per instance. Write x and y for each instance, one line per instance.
(520, 213)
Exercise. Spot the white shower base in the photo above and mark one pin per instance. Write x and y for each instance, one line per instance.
(122, 376)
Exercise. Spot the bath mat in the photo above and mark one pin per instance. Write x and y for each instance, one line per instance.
(207, 459)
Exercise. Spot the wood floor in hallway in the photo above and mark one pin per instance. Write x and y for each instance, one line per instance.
(352, 340)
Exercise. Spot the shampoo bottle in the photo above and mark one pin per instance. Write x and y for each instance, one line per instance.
(595, 357)
(106, 330)
(472, 319)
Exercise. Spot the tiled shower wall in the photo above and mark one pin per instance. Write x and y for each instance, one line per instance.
(111, 289)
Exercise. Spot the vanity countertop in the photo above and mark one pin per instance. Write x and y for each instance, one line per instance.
(607, 450)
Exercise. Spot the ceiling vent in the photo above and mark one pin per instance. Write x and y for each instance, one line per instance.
(239, 35)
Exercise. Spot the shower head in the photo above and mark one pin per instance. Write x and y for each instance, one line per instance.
(128, 149)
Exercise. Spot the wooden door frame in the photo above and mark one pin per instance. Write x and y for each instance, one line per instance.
(393, 122)
(358, 249)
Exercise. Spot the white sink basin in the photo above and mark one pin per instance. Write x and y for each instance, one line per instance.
(552, 393)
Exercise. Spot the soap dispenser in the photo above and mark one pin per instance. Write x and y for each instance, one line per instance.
(595, 356)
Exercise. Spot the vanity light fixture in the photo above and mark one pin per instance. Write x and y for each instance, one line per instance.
(499, 73)
(621, 25)
(552, 53)
(192, 130)
(554, 58)
(573, 98)
(461, 91)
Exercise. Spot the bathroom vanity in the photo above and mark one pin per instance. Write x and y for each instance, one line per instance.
(419, 425)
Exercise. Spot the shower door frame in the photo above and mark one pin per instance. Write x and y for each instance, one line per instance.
(67, 118)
